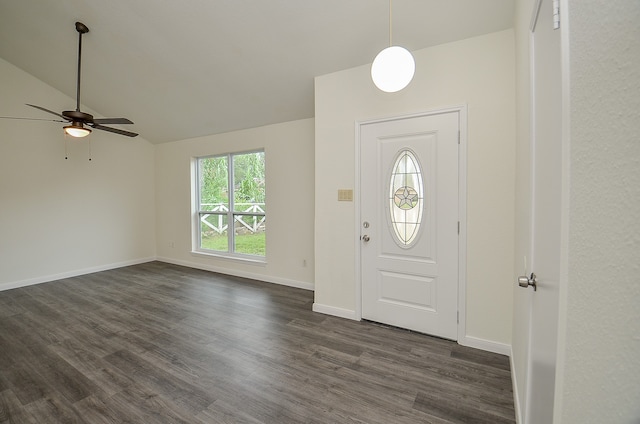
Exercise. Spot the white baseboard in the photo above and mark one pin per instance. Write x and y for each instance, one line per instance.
(488, 345)
(516, 395)
(332, 310)
(73, 273)
(261, 277)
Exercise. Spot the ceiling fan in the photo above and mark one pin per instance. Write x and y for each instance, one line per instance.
(78, 119)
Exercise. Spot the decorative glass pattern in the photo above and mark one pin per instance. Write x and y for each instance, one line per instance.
(406, 198)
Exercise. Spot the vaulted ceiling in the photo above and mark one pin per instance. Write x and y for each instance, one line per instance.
(182, 69)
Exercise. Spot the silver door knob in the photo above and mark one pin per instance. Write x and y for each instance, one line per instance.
(365, 238)
(524, 281)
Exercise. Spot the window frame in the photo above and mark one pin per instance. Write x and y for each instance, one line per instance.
(230, 214)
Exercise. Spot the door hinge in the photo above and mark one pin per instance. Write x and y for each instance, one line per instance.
(556, 14)
(458, 136)
(458, 317)
(458, 227)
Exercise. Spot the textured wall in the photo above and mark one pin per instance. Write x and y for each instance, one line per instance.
(602, 346)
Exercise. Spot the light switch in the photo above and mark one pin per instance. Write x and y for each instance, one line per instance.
(345, 195)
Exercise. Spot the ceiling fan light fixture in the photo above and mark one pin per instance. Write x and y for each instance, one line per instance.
(77, 130)
(393, 69)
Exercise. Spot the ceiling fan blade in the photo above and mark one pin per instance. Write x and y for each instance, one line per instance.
(113, 130)
(50, 111)
(111, 121)
(31, 119)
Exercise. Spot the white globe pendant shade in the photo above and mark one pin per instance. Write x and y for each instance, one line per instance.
(393, 69)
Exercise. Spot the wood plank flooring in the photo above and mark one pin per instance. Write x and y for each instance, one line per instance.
(159, 343)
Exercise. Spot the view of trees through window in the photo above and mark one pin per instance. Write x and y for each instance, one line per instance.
(232, 190)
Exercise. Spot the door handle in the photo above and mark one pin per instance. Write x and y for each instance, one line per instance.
(524, 281)
(365, 238)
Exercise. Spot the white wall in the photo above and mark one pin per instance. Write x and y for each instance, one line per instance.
(64, 217)
(289, 189)
(478, 72)
(600, 344)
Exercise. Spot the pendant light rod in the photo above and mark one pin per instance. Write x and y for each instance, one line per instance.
(390, 23)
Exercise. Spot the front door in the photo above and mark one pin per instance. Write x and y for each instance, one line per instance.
(409, 222)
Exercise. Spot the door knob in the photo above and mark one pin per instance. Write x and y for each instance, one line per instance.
(365, 238)
(524, 281)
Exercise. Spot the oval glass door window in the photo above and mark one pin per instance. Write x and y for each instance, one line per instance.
(406, 198)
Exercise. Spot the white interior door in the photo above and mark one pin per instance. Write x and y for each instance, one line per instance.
(547, 181)
(409, 222)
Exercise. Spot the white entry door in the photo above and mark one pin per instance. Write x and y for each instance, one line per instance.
(409, 222)
(546, 213)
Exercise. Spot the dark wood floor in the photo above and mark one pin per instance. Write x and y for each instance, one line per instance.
(158, 343)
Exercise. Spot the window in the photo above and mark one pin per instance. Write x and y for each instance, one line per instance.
(406, 198)
(231, 190)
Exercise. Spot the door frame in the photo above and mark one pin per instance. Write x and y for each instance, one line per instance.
(462, 207)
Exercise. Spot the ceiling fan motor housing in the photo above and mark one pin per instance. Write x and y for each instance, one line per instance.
(78, 116)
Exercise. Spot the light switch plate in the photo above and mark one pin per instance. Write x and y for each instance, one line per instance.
(345, 195)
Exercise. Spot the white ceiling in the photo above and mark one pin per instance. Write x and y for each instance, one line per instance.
(182, 69)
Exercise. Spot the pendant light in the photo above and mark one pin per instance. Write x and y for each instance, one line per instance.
(393, 68)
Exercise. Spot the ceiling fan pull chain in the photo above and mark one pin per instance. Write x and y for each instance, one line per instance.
(66, 146)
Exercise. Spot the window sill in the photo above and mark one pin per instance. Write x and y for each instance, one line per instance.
(234, 258)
